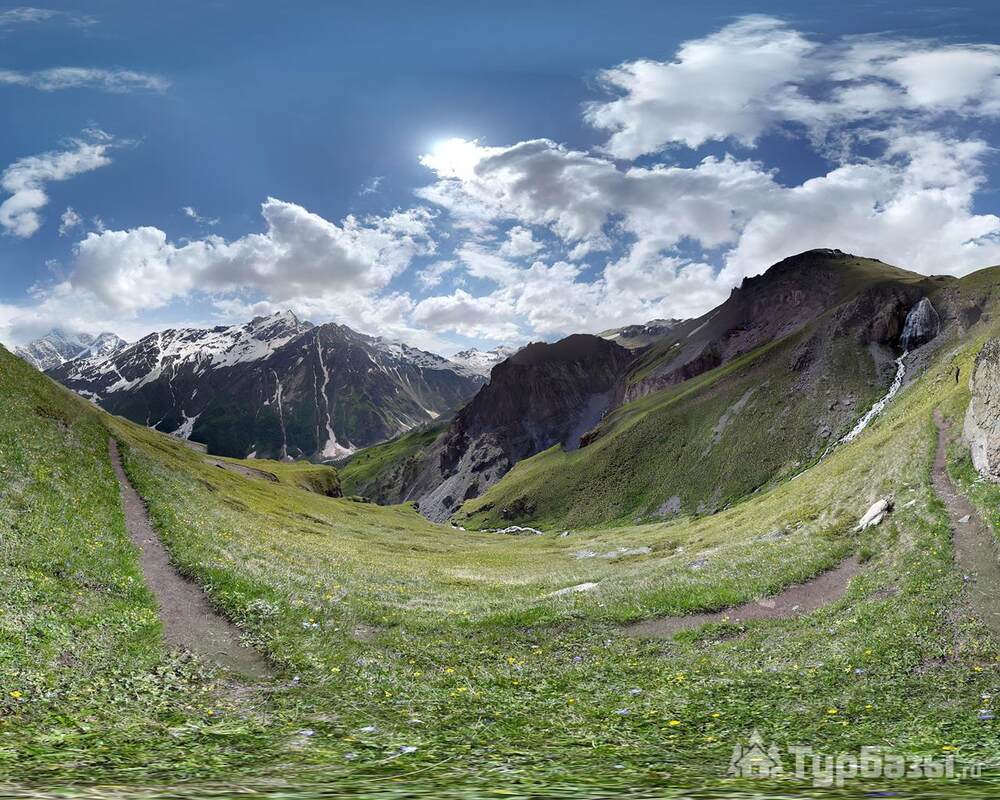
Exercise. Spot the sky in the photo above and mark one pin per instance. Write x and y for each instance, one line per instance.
(457, 174)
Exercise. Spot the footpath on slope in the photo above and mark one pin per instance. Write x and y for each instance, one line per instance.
(189, 621)
(975, 545)
(239, 469)
(792, 602)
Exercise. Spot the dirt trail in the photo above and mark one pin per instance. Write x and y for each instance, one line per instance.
(795, 600)
(247, 472)
(975, 544)
(189, 621)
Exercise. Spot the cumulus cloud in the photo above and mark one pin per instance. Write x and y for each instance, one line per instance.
(434, 273)
(300, 254)
(550, 238)
(116, 81)
(484, 317)
(25, 180)
(724, 85)
(758, 73)
(520, 243)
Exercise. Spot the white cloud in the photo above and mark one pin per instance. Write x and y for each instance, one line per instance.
(192, 213)
(486, 317)
(371, 186)
(433, 274)
(721, 86)
(25, 180)
(300, 255)
(116, 81)
(31, 15)
(759, 73)
(68, 221)
(520, 243)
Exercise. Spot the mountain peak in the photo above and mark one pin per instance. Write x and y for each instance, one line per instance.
(55, 348)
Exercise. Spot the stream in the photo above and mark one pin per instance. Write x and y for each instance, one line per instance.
(876, 409)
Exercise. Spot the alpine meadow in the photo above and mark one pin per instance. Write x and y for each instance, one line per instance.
(604, 403)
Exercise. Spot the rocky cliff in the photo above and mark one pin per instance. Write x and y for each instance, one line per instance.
(982, 419)
(544, 395)
(922, 325)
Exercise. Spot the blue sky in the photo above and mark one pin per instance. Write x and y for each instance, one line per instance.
(455, 173)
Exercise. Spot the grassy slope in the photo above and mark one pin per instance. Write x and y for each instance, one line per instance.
(711, 440)
(319, 478)
(447, 642)
(83, 682)
(369, 471)
(666, 444)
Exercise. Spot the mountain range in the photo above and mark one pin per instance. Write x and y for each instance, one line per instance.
(275, 387)
(59, 346)
(585, 431)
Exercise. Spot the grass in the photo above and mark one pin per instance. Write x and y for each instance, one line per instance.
(370, 472)
(706, 443)
(319, 478)
(391, 633)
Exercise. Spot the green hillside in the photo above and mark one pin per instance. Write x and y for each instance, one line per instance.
(700, 445)
(414, 659)
(377, 472)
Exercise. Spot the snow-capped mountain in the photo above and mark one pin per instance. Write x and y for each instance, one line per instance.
(274, 387)
(58, 346)
(480, 362)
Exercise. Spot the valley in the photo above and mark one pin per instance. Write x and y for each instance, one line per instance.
(460, 661)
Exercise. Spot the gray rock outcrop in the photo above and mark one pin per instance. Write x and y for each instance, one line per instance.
(982, 419)
(922, 325)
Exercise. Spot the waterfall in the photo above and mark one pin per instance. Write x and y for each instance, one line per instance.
(876, 409)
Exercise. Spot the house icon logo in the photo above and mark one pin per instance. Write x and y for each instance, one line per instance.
(755, 759)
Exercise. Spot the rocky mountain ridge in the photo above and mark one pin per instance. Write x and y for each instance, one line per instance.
(836, 322)
(58, 346)
(275, 387)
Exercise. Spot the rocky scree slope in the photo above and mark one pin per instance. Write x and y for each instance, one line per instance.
(273, 388)
(543, 396)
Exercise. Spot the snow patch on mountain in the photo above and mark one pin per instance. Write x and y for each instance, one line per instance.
(480, 362)
(58, 346)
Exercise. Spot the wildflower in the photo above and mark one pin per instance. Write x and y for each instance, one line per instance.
(674, 723)
(15, 694)
(831, 711)
(716, 715)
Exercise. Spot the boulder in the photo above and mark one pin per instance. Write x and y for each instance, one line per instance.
(982, 419)
(877, 512)
(922, 325)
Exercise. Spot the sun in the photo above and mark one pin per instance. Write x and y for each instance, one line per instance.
(454, 157)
